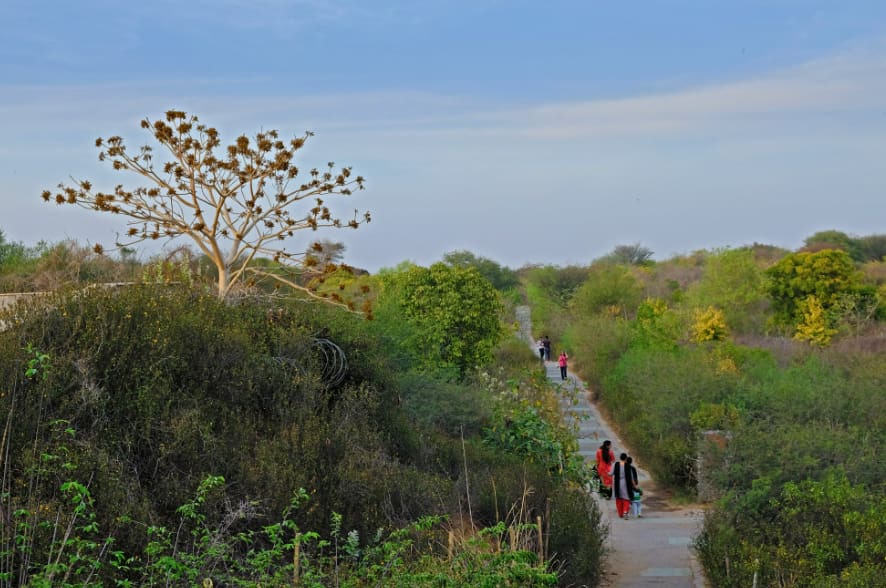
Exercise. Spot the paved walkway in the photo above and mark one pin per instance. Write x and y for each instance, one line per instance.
(654, 550)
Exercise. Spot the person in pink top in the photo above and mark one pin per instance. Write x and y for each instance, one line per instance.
(562, 363)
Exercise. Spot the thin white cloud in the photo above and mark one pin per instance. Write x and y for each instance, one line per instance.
(854, 82)
(839, 85)
(589, 174)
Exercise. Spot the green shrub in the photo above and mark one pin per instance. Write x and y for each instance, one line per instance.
(609, 289)
(809, 533)
(165, 386)
(453, 316)
(598, 344)
(652, 393)
(513, 355)
(451, 407)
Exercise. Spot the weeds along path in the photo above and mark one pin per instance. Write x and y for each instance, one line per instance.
(655, 550)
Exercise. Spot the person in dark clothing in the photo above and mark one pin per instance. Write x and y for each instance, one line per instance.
(623, 486)
(547, 345)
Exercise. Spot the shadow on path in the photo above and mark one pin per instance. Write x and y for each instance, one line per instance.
(655, 550)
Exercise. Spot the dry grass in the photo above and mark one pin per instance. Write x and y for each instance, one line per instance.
(785, 350)
(872, 341)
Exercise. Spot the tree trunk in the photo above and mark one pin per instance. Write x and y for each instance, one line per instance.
(222, 282)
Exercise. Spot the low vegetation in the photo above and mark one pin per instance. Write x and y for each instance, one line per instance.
(156, 435)
(760, 375)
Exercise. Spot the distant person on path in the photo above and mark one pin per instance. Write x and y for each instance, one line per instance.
(541, 349)
(547, 343)
(605, 458)
(637, 496)
(622, 486)
(562, 362)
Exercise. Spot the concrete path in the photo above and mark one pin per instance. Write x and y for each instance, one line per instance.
(654, 550)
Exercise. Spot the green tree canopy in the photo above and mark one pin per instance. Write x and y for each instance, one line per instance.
(828, 275)
(609, 288)
(733, 282)
(873, 247)
(833, 239)
(634, 254)
(558, 283)
(453, 312)
(501, 277)
(11, 253)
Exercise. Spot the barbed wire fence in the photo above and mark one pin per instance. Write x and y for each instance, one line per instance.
(332, 361)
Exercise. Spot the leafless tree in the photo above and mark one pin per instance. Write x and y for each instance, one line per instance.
(237, 203)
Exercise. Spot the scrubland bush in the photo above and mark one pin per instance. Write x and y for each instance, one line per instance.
(608, 289)
(784, 426)
(451, 407)
(816, 532)
(548, 290)
(598, 343)
(164, 387)
(150, 391)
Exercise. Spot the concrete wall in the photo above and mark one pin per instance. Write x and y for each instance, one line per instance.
(712, 451)
(7, 300)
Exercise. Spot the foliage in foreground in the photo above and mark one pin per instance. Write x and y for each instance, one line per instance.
(202, 551)
(153, 391)
(799, 430)
(810, 533)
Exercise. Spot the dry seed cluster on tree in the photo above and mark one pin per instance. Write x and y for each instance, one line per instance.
(236, 204)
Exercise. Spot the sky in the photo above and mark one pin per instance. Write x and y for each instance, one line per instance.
(526, 132)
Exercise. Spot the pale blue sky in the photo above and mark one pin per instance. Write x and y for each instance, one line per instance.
(527, 132)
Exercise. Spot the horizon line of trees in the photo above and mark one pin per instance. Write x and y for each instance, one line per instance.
(18, 257)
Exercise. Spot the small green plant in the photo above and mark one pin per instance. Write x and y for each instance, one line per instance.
(37, 365)
(54, 537)
(170, 272)
(526, 434)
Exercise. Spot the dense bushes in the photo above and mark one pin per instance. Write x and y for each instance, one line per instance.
(146, 393)
(826, 532)
(786, 437)
(803, 478)
(166, 387)
(527, 465)
(786, 428)
(442, 317)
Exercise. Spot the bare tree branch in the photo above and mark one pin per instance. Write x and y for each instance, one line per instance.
(236, 203)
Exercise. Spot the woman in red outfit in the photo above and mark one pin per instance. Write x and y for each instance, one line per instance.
(605, 459)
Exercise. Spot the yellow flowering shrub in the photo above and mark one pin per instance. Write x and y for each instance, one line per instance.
(709, 325)
(814, 327)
